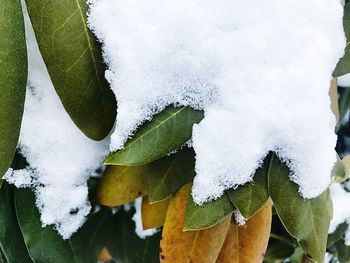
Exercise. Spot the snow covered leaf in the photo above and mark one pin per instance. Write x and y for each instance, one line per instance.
(74, 61)
(248, 243)
(167, 175)
(208, 214)
(207, 243)
(305, 219)
(153, 215)
(337, 234)
(166, 132)
(249, 198)
(125, 246)
(122, 184)
(343, 66)
(11, 239)
(83, 247)
(13, 78)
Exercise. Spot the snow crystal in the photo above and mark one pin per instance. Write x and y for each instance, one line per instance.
(138, 221)
(61, 158)
(344, 81)
(260, 70)
(239, 218)
(341, 209)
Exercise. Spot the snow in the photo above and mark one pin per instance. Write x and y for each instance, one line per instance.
(341, 209)
(61, 157)
(239, 218)
(260, 70)
(344, 81)
(138, 221)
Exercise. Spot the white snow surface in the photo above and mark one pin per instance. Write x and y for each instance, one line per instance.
(341, 209)
(260, 70)
(61, 157)
(344, 81)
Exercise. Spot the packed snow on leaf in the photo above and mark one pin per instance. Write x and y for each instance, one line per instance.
(260, 70)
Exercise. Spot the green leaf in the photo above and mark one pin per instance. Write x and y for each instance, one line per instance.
(343, 252)
(337, 234)
(126, 246)
(343, 66)
(203, 216)
(13, 78)
(249, 198)
(166, 132)
(167, 175)
(74, 61)
(11, 239)
(278, 250)
(46, 245)
(305, 219)
(344, 102)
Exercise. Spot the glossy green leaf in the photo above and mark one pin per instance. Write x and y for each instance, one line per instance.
(167, 175)
(13, 78)
(337, 234)
(166, 132)
(343, 66)
(11, 239)
(203, 216)
(46, 245)
(125, 246)
(305, 219)
(249, 198)
(74, 61)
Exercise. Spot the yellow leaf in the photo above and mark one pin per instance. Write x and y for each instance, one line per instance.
(208, 242)
(191, 246)
(176, 244)
(105, 256)
(122, 184)
(153, 215)
(333, 93)
(247, 244)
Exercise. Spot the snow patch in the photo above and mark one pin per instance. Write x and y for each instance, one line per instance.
(260, 70)
(61, 157)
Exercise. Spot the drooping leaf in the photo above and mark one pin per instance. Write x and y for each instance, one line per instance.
(46, 245)
(338, 172)
(208, 214)
(122, 184)
(11, 239)
(125, 246)
(153, 215)
(343, 66)
(305, 219)
(167, 175)
(249, 198)
(166, 132)
(208, 242)
(337, 234)
(248, 243)
(13, 78)
(74, 61)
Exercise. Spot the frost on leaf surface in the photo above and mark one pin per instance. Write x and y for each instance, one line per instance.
(260, 70)
(61, 157)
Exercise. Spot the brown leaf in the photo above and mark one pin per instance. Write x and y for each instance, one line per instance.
(105, 256)
(122, 184)
(153, 215)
